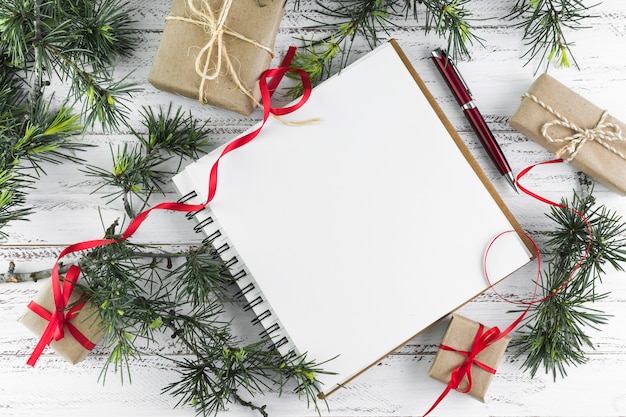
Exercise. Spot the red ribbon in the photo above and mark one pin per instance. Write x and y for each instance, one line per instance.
(481, 341)
(59, 318)
(486, 339)
(554, 204)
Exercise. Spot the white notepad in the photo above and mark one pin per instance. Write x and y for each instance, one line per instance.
(357, 232)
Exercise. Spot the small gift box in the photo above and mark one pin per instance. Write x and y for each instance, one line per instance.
(575, 130)
(468, 352)
(216, 50)
(72, 332)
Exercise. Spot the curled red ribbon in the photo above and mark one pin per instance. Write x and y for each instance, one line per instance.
(59, 318)
(486, 339)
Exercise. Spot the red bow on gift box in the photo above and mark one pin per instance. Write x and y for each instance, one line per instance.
(59, 318)
(482, 341)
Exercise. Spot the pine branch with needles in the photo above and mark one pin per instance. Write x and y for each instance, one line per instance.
(545, 23)
(372, 20)
(44, 42)
(342, 22)
(554, 335)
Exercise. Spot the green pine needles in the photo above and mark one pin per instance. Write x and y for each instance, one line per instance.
(544, 23)
(342, 21)
(74, 42)
(144, 293)
(554, 334)
(30, 133)
(222, 370)
(138, 169)
(345, 20)
(368, 19)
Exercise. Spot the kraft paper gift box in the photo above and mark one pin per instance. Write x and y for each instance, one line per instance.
(574, 129)
(460, 336)
(87, 322)
(246, 40)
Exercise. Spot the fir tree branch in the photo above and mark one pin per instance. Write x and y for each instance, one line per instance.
(75, 40)
(544, 22)
(369, 19)
(350, 18)
(40, 137)
(214, 379)
(451, 20)
(137, 169)
(554, 333)
(105, 104)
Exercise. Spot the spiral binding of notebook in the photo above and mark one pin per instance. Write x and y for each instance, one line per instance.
(248, 289)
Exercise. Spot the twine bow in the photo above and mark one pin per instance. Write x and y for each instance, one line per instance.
(215, 24)
(604, 133)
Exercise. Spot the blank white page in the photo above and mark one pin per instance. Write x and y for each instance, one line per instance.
(364, 228)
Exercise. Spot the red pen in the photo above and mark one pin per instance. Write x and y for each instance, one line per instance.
(462, 94)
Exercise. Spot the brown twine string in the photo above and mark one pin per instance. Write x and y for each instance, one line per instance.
(215, 25)
(602, 133)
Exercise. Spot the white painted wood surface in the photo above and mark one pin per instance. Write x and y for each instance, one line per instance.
(66, 212)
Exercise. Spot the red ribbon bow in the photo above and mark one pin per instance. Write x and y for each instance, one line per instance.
(481, 342)
(61, 316)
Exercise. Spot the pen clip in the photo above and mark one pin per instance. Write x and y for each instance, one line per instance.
(441, 54)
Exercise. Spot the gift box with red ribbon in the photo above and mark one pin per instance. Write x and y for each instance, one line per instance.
(62, 317)
(468, 356)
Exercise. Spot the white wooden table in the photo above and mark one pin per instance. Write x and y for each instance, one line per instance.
(67, 212)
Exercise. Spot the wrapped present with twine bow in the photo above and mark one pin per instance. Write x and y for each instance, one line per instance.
(575, 130)
(216, 50)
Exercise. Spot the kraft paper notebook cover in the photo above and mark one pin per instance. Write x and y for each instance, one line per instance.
(359, 231)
